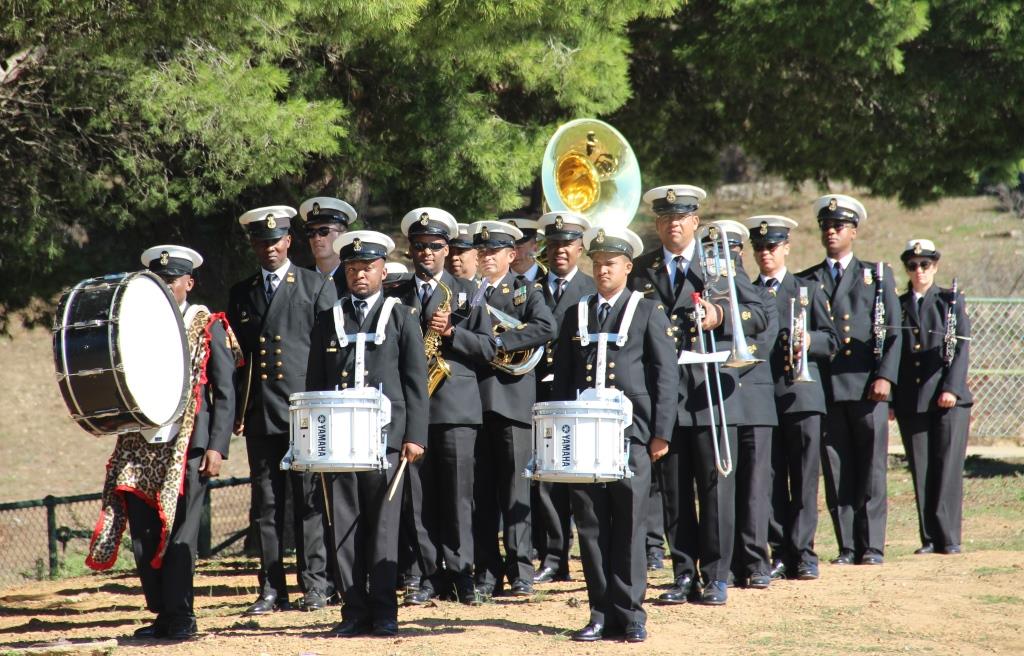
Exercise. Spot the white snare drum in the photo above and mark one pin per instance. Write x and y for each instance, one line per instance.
(581, 441)
(338, 431)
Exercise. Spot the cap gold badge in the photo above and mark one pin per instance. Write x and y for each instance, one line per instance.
(164, 258)
(271, 221)
(670, 195)
(917, 248)
(764, 228)
(424, 218)
(832, 204)
(559, 223)
(316, 208)
(357, 244)
(485, 234)
(600, 237)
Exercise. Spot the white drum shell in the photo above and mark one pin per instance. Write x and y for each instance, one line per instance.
(338, 431)
(580, 441)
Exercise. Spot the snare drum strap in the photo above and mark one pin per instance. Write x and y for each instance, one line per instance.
(382, 322)
(620, 338)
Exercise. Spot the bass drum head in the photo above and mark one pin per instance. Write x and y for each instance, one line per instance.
(152, 348)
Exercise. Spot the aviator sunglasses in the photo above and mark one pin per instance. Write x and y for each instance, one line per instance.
(424, 245)
(924, 266)
(321, 231)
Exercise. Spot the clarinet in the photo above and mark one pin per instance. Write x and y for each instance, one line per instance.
(949, 340)
(879, 313)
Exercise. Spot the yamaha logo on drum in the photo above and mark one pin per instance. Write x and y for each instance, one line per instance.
(566, 445)
(321, 436)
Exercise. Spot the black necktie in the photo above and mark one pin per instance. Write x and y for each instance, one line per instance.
(271, 279)
(487, 294)
(559, 288)
(425, 294)
(837, 272)
(602, 314)
(360, 306)
(770, 283)
(920, 301)
(677, 283)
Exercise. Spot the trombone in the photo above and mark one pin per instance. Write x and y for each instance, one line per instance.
(723, 464)
(713, 259)
(796, 358)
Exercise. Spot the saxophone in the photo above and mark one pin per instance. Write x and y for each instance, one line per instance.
(437, 368)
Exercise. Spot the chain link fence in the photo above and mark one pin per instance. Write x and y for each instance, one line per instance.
(46, 538)
(996, 375)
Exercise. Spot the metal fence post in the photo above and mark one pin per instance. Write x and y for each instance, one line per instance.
(50, 502)
(205, 527)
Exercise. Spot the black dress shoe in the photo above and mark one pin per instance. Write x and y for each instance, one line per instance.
(267, 604)
(778, 570)
(590, 633)
(419, 597)
(185, 629)
(655, 562)
(545, 575)
(521, 588)
(312, 601)
(950, 549)
(635, 632)
(845, 557)
(679, 593)
(715, 594)
(385, 628)
(151, 631)
(871, 558)
(484, 591)
(807, 571)
(925, 548)
(759, 580)
(351, 629)
(408, 582)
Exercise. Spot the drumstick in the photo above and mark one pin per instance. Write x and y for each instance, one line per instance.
(327, 502)
(398, 477)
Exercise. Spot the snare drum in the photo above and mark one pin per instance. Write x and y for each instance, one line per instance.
(338, 431)
(581, 441)
(120, 352)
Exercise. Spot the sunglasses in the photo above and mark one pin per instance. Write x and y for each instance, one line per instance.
(760, 247)
(424, 245)
(321, 231)
(838, 226)
(914, 266)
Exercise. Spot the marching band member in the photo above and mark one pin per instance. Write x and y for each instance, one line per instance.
(526, 263)
(796, 441)
(437, 513)
(365, 523)
(162, 484)
(932, 401)
(272, 312)
(326, 218)
(503, 446)
(611, 517)
(859, 382)
(462, 256)
(563, 286)
(672, 274)
(750, 564)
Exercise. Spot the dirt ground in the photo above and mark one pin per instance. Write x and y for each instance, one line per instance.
(968, 604)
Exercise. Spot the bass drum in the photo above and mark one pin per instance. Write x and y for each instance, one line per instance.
(120, 352)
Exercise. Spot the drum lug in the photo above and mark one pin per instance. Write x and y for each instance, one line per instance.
(89, 372)
(531, 468)
(286, 462)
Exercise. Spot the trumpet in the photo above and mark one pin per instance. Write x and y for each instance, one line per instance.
(950, 338)
(796, 357)
(437, 368)
(712, 260)
(516, 363)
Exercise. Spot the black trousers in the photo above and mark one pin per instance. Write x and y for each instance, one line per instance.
(446, 476)
(796, 465)
(690, 463)
(412, 534)
(365, 542)
(168, 590)
(854, 458)
(753, 500)
(611, 521)
(268, 485)
(503, 449)
(655, 518)
(936, 444)
(552, 524)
